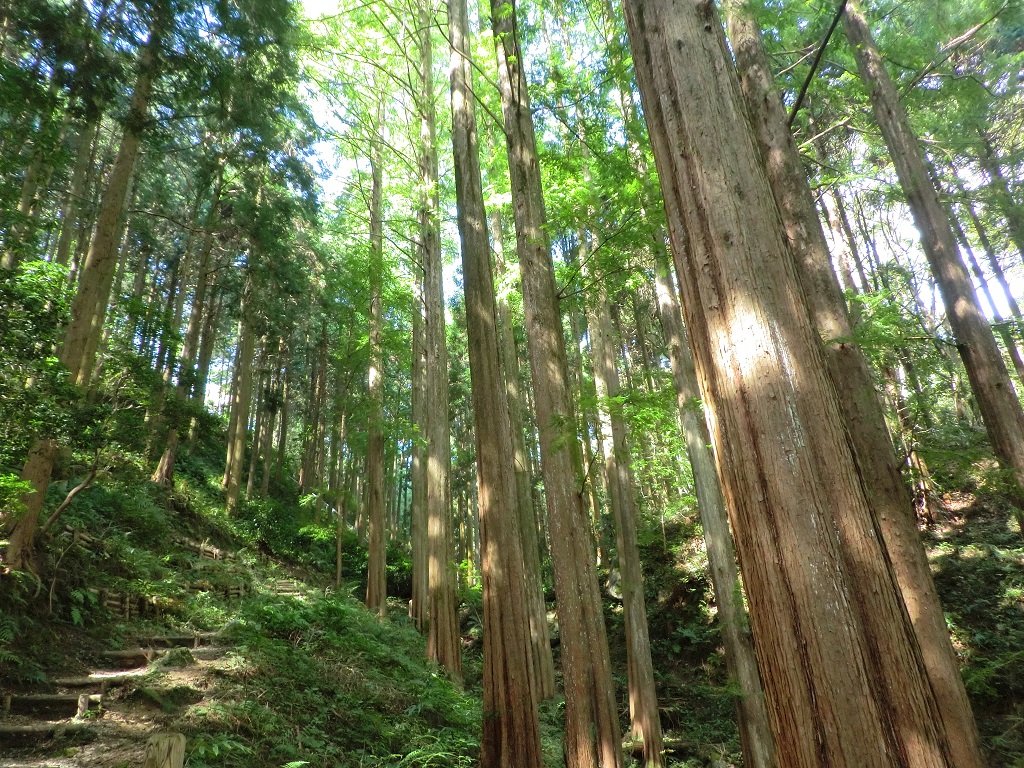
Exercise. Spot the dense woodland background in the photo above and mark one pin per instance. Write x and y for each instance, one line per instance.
(238, 302)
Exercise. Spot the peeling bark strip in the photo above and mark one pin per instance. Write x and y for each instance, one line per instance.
(781, 448)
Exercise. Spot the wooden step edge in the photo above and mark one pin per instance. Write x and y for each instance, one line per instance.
(177, 641)
(133, 653)
(42, 728)
(101, 679)
(80, 700)
(46, 698)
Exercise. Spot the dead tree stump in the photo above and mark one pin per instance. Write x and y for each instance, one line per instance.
(165, 750)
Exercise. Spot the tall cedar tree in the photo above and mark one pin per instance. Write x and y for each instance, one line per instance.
(886, 492)
(591, 722)
(511, 727)
(376, 568)
(821, 624)
(444, 644)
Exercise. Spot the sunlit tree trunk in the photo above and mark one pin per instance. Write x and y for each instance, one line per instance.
(376, 573)
(540, 636)
(861, 408)
(780, 443)
(511, 728)
(592, 730)
(443, 639)
(420, 590)
(755, 731)
(37, 471)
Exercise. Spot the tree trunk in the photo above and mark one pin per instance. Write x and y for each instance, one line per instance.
(36, 472)
(165, 750)
(76, 192)
(643, 699)
(262, 417)
(444, 644)
(1000, 323)
(211, 328)
(90, 304)
(588, 425)
(1000, 409)
(511, 727)
(540, 636)
(418, 606)
(1004, 199)
(592, 729)
(755, 730)
(187, 374)
(780, 443)
(376, 574)
(240, 401)
(891, 508)
(282, 434)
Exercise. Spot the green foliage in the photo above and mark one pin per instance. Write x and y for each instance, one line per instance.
(35, 400)
(358, 693)
(15, 664)
(12, 488)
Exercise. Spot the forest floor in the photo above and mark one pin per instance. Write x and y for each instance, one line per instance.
(291, 672)
(977, 556)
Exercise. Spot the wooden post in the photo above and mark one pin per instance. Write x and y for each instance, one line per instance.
(165, 750)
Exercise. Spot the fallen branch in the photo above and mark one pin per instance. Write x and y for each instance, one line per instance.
(70, 497)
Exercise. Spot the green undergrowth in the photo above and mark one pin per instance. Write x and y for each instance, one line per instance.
(977, 556)
(322, 682)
